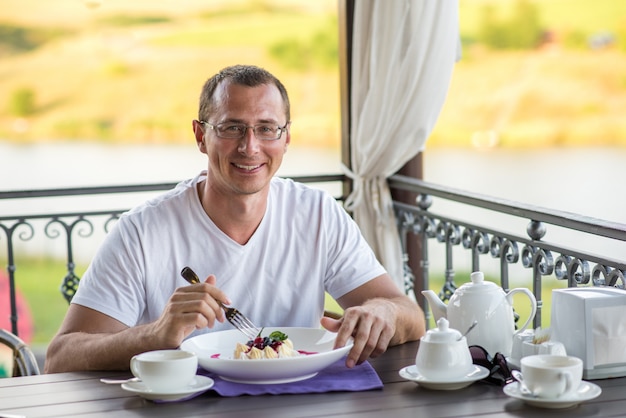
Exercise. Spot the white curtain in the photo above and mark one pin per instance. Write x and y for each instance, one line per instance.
(402, 60)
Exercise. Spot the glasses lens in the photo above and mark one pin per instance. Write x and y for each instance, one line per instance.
(230, 130)
(267, 132)
(503, 371)
(480, 356)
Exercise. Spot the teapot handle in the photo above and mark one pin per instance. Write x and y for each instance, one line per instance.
(533, 305)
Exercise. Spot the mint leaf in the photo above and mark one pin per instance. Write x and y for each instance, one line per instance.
(278, 336)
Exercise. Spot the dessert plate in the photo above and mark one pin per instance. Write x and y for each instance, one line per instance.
(215, 353)
(586, 391)
(411, 373)
(198, 385)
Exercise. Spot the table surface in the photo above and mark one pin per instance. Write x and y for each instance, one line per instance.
(82, 394)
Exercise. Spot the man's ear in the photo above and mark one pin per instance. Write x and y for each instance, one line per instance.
(198, 131)
(288, 139)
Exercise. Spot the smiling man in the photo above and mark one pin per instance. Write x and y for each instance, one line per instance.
(271, 245)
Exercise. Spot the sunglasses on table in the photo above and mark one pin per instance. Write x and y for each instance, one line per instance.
(499, 371)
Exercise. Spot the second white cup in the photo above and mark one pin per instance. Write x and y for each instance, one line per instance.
(551, 376)
(164, 371)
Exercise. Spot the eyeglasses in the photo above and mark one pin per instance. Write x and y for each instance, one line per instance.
(499, 372)
(263, 131)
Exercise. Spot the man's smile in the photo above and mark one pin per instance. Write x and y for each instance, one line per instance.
(247, 167)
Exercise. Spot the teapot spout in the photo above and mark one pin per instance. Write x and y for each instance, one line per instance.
(438, 308)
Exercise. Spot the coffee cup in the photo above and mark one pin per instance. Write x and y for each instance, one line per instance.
(550, 376)
(164, 371)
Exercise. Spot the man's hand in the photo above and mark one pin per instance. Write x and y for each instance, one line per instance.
(189, 308)
(376, 315)
(372, 326)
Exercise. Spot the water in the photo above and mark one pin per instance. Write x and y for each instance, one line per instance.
(586, 181)
(40, 166)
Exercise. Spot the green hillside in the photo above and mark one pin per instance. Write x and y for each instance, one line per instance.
(131, 71)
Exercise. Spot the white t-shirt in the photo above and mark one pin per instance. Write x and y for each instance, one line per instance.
(305, 245)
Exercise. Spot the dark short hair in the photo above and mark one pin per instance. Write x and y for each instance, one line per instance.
(245, 75)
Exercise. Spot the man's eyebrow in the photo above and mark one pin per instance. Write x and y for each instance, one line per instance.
(234, 120)
(231, 120)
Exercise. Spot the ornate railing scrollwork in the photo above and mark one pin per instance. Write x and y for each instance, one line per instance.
(406, 223)
(477, 242)
(541, 262)
(603, 275)
(538, 258)
(26, 235)
(575, 270)
(111, 221)
(70, 282)
(508, 253)
(450, 234)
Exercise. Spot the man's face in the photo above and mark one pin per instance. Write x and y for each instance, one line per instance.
(243, 166)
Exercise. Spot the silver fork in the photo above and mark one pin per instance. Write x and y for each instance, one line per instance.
(239, 320)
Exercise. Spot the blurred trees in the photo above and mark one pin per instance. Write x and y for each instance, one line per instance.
(522, 30)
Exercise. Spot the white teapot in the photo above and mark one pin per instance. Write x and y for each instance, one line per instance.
(487, 303)
(443, 354)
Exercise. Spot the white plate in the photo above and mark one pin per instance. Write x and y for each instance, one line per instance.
(411, 373)
(586, 391)
(215, 353)
(199, 384)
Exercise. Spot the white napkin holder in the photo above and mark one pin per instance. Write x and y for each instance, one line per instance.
(591, 324)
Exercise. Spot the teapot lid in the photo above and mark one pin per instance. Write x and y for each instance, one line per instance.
(442, 334)
(479, 284)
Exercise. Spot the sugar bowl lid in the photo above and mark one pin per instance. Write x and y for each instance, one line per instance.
(443, 333)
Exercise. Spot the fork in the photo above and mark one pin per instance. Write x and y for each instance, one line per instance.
(236, 318)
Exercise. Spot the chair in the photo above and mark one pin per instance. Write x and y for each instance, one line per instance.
(24, 361)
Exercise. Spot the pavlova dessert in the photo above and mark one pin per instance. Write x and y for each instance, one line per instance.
(276, 345)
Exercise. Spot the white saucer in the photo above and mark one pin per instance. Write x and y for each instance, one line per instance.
(198, 385)
(586, 391)
(411, 373)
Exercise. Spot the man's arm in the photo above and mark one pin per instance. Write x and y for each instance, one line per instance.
(377, 315)
(91, 340)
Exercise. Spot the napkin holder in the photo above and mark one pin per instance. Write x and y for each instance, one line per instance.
(591, 324)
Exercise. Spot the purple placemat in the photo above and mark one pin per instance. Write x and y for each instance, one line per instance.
(334, 378)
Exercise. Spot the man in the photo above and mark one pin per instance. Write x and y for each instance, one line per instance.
(270, 245)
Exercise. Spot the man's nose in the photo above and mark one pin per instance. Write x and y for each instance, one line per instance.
(249, 144)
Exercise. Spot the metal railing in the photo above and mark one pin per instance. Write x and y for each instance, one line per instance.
(419, 221)
(574, 266)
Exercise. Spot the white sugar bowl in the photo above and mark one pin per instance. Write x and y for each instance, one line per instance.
(443, 354)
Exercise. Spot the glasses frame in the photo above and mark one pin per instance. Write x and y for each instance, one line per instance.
(281, 130)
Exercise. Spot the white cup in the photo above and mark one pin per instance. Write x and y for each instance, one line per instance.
(551, 376)
(165, 371)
